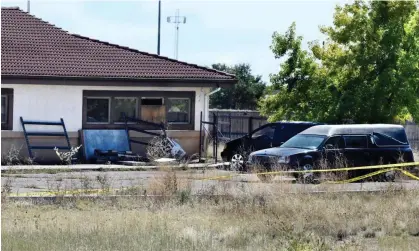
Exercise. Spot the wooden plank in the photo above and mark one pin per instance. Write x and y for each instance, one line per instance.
(153, 113)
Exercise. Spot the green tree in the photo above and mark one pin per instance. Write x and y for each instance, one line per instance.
(297, 92)
(366, 71)
(244, 95)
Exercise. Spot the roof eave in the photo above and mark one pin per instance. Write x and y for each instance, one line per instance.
(77, 80)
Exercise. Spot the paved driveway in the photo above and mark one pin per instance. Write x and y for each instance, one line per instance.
(239, 184)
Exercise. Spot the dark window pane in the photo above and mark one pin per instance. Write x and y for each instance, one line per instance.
(179, 110)
(97, 110)
(390, 138)
(356, 141)
(335, 143)
(3, 109)
(124, 105)
(268, 131)
(151, 101)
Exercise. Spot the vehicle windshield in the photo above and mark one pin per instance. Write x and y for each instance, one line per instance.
(304, 141)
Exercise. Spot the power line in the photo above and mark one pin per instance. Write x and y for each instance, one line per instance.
(176, 20)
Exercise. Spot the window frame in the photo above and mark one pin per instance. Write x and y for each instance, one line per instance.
(271, 126)
(109, 110)
(340, 137)
(164, 95)
(8, 93)
(6, 103)
(356, 135)
(189, 110)
(113, 106)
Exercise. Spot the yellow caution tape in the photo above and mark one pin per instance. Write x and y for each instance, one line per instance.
(325, 170)
(385, 168)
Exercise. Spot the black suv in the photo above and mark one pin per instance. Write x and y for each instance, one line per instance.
(359, 145)
(266, 136)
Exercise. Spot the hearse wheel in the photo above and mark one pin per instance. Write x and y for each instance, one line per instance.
(237, 162)
(306, 178)
(389, 176)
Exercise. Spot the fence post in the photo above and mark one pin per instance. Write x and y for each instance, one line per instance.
(229, 127)
(200, 137)
(214, 135)
(216, 139)
(250, 126)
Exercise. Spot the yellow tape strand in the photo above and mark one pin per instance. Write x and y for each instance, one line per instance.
(324, 170)
(368, 175)
(391, 167)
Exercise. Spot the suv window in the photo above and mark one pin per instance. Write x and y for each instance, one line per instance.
(268, 131)
(356, 141)
(336, 141)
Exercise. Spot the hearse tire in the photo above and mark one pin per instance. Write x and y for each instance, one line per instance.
(306, 178)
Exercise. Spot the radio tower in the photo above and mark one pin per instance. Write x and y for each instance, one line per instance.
(176, 20)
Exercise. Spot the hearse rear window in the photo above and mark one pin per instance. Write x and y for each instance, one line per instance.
(390, 139)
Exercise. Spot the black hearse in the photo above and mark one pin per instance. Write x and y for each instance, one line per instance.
(266, 136)
(359, 145)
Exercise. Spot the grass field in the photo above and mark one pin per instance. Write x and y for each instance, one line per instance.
(387, 221)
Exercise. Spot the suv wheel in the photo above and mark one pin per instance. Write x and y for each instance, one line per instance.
(237, 162)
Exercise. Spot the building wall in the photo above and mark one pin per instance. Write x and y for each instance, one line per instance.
(52, 102)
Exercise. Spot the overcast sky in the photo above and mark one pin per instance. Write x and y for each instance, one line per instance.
(235, 31)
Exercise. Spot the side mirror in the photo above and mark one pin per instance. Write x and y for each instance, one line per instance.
(328, 146)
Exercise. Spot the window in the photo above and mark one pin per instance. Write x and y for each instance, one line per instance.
(4, 108)
(396, 138)
(105, 109)
(268, 131)
(335, 143)
(356, 141)
(127, 106)
(97, 110)
(178, 110)
(304, 141)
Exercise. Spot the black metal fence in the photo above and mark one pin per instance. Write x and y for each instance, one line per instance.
(235, 124)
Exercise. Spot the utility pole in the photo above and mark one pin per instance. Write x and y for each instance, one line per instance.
(29, 6)
(176, 20)
(158, 32)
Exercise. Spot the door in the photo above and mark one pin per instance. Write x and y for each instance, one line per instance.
(356, 150)
(333, 152)
(262, 138)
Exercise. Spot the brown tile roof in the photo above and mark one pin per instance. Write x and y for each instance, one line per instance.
(33, 47)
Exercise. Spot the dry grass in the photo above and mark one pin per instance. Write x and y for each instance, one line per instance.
(387, 221)
(180, 221)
